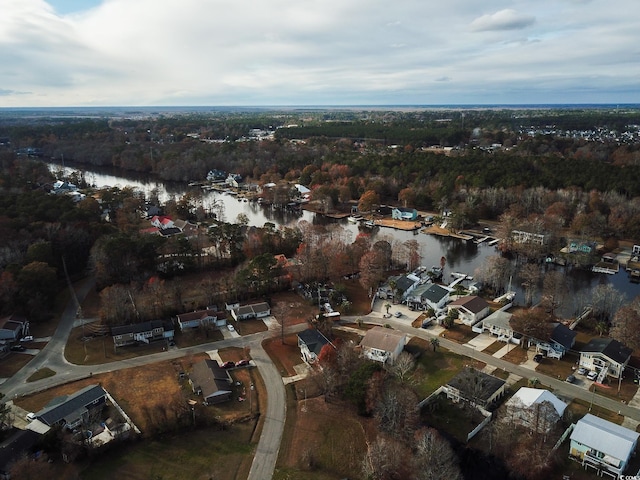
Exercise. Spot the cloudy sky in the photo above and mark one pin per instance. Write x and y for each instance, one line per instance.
(318, 52)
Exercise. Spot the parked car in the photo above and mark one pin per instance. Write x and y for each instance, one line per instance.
(28, 338)
(486, 230)
(18, 348)
(231, 328)
(592, 375)
(581, 371)
(571, 379)
(397, 314)
(537, 357)
(31, 416)
(228, 365)
(242, 363)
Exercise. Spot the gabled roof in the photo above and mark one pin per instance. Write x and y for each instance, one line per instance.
(404, 282)
(563, 335)
(435, 293)
(530, 396)
(313, 339)
(472, 303)
(200, 315)
(604, 436)
(382, 338)
(70, 406)
(498, 319)
(209, 377)
(609, 347)
(141, 327)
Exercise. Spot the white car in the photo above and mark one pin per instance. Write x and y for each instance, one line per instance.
(28, 338)
(231, 328)
(592, 375)
(31, 416)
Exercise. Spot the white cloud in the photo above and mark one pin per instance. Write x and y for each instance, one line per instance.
(241, 52)
(507, 19)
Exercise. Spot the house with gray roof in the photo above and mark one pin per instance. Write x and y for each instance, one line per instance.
(606, 356)
(602, 445)
(201, 318)
(382, 344)
(143, 332)
(71, 411)
(475, 387)
(498, 324)
(562, 340)
(310, 342)
(429, 296)
(471, 309)
(256, 310)
(211, 381)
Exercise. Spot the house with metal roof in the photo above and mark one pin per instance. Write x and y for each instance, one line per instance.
(382, 344)
(606, 356)
(602, 445)
(533, 408)
(73, 410)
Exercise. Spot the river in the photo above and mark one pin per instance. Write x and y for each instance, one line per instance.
(461, 256)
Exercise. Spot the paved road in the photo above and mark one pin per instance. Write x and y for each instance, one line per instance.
(569, 390)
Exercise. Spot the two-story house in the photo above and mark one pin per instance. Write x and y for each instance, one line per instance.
(471, 309)
(201, 318)
(382, 344)
(602, 445)
(144, 332)
(606, 356)
(311, 342)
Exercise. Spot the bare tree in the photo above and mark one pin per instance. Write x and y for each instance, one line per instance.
(606, 301)
(626, 324)
(397, 411)
(386, 459)
(435, 459)
(554, 290)
(530, 275)
(402, 366)
(533, 323)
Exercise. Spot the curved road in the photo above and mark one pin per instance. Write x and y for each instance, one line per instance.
(52, 356)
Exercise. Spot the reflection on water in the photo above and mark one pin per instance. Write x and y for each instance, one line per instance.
(464, 257)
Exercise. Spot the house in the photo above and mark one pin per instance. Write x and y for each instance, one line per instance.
(606, 356)
(561, 341)
(216, 175)
(144, 332)
(234, 180)
(471, 309)
(579, 246)
(520, 236)
(211, 381)
(13, 328)
(498, 324)
(475, 387)
(602, 445)
(536, 409)
(187, 228)
(310, 342)
(257, 310)
(434, 296)
(161, 222)
(71, 411)
(409, 214)
(382, 344)
(201, 318)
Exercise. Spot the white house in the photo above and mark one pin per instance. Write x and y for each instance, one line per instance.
(471, 309)
(498, 324)
(602, 445)
(606, 356)
(408, 214)
(256, 310)
(383, 344)
(534, 408)
(201, 318)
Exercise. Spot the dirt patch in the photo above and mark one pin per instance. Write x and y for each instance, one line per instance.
(284, 355)
(516, 355)
(13, 363)
(291, 308)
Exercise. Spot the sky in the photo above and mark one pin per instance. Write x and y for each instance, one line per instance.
(318, 52)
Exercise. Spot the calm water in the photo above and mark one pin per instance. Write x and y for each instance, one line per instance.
(465, 257)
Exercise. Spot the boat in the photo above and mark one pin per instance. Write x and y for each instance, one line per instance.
(369, 223)
(355, 218)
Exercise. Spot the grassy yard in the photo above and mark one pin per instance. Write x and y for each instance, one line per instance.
(456, 420)
(434, 369)
(202, 454)
(459, 333)
(40, 374)
(493, 348)
(579, 408)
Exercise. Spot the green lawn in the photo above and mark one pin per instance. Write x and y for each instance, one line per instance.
(435, 369)
(197, 455)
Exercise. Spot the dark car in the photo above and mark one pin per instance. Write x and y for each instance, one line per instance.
(537, 357)
(571, 379)
(18, 348)
(228, 365)
(242, 363)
